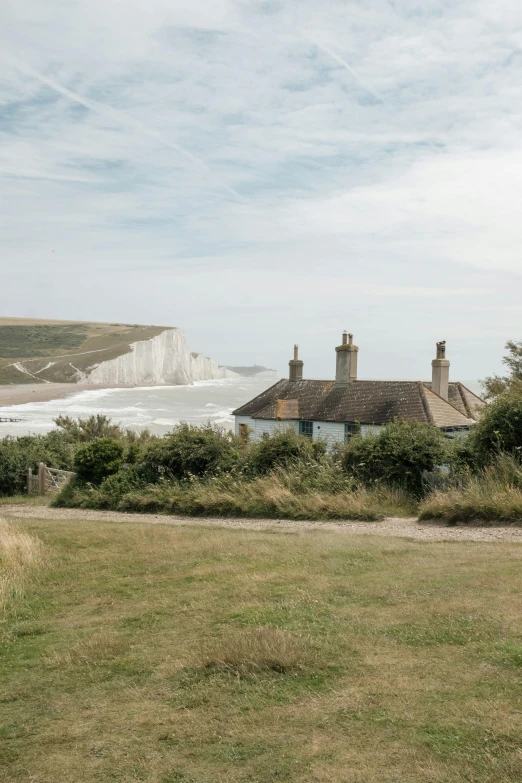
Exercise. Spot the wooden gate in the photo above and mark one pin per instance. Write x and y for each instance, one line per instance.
(47, 480)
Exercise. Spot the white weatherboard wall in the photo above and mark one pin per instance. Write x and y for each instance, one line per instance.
(260, 427)
(333, 431)
(264, 426)
(248, 420)
(330, 431)
(162, 360)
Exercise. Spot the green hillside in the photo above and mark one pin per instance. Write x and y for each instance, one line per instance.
(35, 351)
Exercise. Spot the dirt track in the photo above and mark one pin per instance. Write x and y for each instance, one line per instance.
(392, 526)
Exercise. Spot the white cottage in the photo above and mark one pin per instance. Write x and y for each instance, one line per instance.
(336, 410)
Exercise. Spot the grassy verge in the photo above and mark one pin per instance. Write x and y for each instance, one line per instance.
(493, 497)
(193, 655)
(26, 500)
(476, 503)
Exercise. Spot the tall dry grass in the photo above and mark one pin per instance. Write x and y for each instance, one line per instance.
(20, 556)
(304, 490)
(263, 497)
(494, 496)
(265, 648)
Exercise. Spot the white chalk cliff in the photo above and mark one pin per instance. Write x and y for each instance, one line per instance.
(162, 360)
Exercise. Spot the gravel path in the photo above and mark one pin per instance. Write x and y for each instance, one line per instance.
(391, 526)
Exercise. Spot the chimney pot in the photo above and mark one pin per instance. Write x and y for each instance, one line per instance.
(441, 349)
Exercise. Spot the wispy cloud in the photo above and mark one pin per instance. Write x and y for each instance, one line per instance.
(328, 50)
(120, 117)
(258, 171)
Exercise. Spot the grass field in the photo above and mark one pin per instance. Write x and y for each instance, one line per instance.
(190, 655)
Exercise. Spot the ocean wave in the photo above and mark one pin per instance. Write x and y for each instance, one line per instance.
(158, 407)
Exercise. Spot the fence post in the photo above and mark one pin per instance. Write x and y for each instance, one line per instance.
(41, 478)
(29, 480)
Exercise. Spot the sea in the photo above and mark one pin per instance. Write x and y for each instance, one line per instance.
(156, 408)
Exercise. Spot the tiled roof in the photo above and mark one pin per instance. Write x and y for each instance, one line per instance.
(464, 400)
(367, 402)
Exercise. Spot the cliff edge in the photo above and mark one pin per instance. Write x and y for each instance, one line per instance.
(37, 351)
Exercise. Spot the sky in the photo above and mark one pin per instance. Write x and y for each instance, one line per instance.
(264, 172)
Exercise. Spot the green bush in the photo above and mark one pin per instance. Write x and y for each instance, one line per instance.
(281, 449)
(500, 427)
(462, 456)
(113, 488)
(98, 459)
(192, 451)
(13, 468)
(397, 456)
(17, 455)
(108, 495)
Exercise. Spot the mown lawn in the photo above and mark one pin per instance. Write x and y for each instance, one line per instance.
(405, 661)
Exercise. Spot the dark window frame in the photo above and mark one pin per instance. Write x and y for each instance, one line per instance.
(351, 429)
(306, 428)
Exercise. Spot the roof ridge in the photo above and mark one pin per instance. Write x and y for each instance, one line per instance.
(469, 390)
(460, 387)
(425, 404)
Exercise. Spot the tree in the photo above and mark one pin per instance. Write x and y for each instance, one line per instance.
(500, 426)
(496, 384)
(86, 430)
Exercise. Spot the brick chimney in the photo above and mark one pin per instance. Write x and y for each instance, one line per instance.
(440, 372)
(346, 363)
(296, 366)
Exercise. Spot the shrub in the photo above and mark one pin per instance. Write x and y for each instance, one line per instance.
(397, 456)
(500, 427)
(17, 455)
(281, 449)
(192, 451)
(109, 494)
(13, 468)
(114, 487)
(98, 459)
(462, 456)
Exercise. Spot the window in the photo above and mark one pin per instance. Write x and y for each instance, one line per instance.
(306, 428)
(455, 432)
(350, 430)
